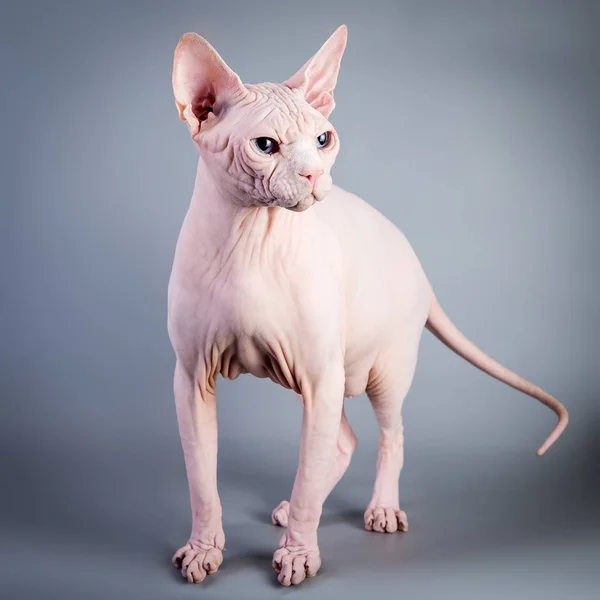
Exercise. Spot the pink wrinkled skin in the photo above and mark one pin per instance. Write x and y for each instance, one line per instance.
(281, 274)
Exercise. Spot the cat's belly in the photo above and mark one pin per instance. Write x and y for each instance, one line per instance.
(383, 318)
(248, 355)
(381, 344)
(357, 376)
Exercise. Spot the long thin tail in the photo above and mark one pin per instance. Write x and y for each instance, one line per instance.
(442, 327)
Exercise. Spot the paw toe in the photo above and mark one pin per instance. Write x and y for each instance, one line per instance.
(385, 520)
(280, 514)
(402, 520)
(196, 562)
(294, 566)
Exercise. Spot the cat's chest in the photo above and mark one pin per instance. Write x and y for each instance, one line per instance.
(272, 289)
(275, 299)
(265, 314)
(256, 325)
(256, 303)
(252, 300)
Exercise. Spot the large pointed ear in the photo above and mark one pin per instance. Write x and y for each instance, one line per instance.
(317, 78)
(202, 82)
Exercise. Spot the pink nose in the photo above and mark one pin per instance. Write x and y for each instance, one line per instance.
(313, 175)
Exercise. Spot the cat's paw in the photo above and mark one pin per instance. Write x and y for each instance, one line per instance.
(385, 519)
(293, 564)
(280, 514)
(198, 559)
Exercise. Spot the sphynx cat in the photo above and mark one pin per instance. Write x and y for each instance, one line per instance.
(281, 274)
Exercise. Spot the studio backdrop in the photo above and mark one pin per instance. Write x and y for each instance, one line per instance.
(472, 126)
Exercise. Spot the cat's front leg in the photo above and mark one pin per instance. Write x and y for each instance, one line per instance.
(346, 445)
(298, 556)
(197, 418)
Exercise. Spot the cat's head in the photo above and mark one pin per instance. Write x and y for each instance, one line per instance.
(269, 144)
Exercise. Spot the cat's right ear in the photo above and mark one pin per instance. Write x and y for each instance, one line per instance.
(317, 78)
(202, 82)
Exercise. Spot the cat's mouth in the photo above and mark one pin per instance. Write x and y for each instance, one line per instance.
(300, 205)
(303, 204)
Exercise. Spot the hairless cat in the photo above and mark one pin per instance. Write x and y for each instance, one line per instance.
(281, 274)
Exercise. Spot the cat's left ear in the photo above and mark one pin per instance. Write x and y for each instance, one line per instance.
(317, 78)
(202, 81)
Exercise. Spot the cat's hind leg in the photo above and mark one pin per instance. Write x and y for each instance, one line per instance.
(389, 383)
(345, 448)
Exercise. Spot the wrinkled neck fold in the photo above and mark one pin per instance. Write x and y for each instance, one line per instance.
(224, 224)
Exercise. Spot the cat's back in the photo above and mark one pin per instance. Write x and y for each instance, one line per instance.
(385, 282)
(368, 238)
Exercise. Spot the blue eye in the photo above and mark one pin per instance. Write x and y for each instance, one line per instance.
(266, 145)
(324, 140)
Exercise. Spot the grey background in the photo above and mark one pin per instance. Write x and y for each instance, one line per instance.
(473, 126)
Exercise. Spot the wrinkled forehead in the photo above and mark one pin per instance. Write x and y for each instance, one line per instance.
(274, 110)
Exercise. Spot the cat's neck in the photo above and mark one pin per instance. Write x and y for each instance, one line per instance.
(222, 223)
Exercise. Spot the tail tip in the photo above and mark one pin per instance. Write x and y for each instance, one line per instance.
(563, 420)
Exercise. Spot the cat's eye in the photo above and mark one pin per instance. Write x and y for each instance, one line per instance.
(266, 145)
(324, 139)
